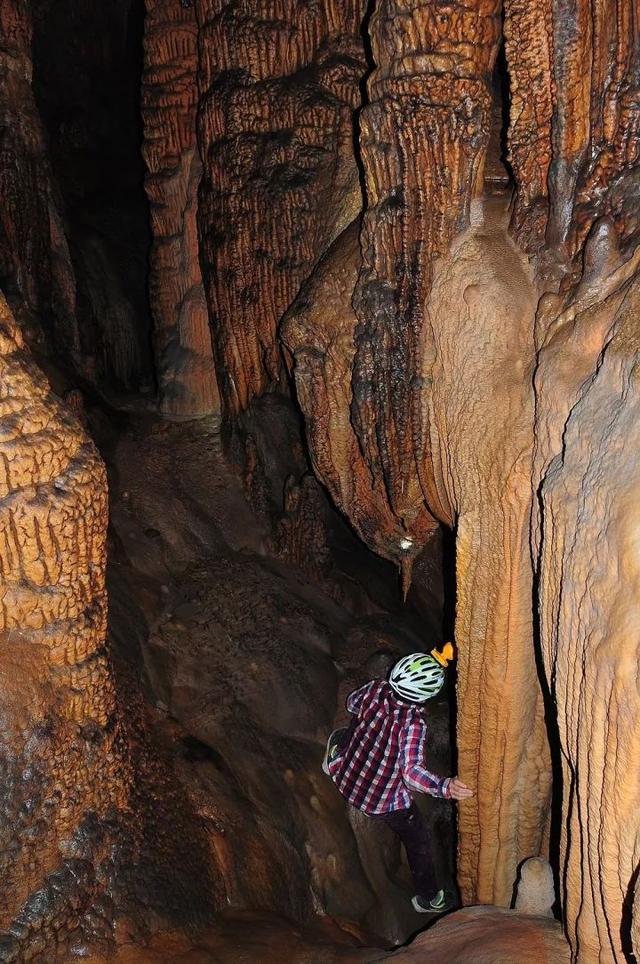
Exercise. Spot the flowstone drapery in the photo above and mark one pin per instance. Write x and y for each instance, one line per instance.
(487, 378)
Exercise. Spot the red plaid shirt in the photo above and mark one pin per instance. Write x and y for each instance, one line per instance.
(382, 761)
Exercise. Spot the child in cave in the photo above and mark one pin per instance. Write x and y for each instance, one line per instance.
(377, 763)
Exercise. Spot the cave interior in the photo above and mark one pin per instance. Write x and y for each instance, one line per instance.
(319, 347)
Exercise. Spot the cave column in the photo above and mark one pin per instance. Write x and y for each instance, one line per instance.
(184, 356)
(435, 327)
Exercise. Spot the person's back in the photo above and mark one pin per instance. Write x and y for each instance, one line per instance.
(378, 761)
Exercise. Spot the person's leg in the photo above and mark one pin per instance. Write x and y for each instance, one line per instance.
(414, 834)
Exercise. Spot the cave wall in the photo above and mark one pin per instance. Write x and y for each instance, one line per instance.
(279, 86)
(479, 341)
(93, 828)
(182, 338)
(87, 66)
(36, 273)
(458, 358)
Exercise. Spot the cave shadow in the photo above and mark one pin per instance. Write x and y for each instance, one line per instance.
(627, 918)
(364, 96)
(167, 874)
(551, 725)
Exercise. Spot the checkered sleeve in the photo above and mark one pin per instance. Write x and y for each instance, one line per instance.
(414, 773)
(354, 700)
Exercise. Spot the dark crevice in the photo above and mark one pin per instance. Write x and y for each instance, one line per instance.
(87, 62)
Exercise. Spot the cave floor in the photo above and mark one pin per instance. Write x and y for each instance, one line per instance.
(246, 938)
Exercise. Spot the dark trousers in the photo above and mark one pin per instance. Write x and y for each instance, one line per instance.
(410, 826)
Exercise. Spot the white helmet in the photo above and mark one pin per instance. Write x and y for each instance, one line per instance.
(420, 676)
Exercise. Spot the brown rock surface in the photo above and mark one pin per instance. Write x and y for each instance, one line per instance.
(35, 267)
(243, 659)
(476, 935)
(573, 141)
(487, 935)
(423, 140)
(455, 360)
(251, 937)
(279, 87)
(588, 576)
(184, 359)
(468, 460)
(462, 384)
(80, 780)
(319, 331)
(58, 701)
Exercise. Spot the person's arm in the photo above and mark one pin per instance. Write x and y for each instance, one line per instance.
(354, 700)
(414, 772)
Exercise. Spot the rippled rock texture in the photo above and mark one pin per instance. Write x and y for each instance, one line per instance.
(279, 85)
(184, 359)
(463, 351)
(84, 802)
(458, 356)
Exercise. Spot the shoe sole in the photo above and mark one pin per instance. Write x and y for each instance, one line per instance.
(330, 746)
(430, 910)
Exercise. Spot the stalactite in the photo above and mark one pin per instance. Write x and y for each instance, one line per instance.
(279, 87)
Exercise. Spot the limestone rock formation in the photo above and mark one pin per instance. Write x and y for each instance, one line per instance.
(464, 353)
(57, 694)
(588, 575)
(78, 779)
(536, 893)
(35, 267)
(498, 691)
(480, 335)
(319, 333)
(423, 139)
(573, 142)
(279, 87)
(184, 359)
(487, 935)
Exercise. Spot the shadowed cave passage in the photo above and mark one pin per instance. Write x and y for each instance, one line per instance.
(87, 71)
(318, 346)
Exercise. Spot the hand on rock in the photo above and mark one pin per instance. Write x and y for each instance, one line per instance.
(459, 790)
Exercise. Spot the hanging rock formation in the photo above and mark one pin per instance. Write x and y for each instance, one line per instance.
(279, 87)
(464, 354)
(423, 396)
(482, 356)
(319, 333)
(184, 358)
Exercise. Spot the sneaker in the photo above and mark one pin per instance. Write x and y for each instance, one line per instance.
(332, 750)
(437, 905)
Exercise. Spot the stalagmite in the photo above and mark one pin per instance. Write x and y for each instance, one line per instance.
(61, 746)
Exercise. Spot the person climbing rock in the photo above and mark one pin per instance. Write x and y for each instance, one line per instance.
(377, 763)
